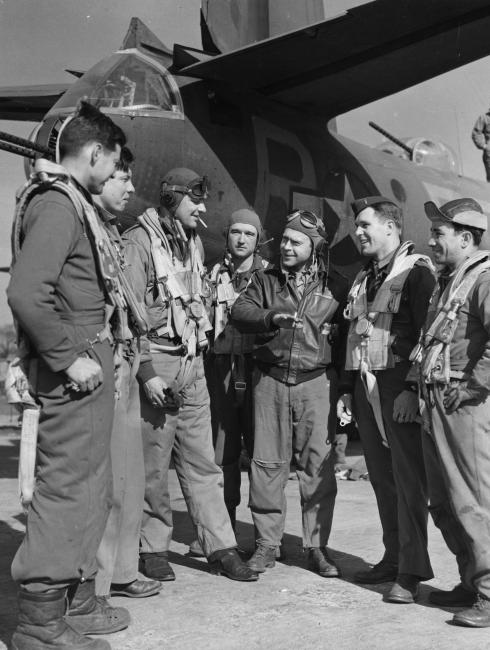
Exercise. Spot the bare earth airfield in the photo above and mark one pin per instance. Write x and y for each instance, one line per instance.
(289, 607)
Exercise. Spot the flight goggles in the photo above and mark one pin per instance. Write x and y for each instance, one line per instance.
(308, 219)
(197, 190)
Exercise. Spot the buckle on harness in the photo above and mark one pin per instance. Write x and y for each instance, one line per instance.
(240, 386)
(364, 327)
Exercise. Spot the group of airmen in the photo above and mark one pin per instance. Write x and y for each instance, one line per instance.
(202, 363)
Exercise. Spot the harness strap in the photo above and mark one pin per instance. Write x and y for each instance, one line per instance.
(432, 352)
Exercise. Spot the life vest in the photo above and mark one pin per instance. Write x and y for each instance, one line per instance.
(226, 338)
(51, 176)
(432, 353)
(369, 342)
(180, 285)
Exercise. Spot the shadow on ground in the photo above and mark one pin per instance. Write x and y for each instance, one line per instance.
(10, 540)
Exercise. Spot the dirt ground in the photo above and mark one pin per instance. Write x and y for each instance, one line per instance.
(289, 607)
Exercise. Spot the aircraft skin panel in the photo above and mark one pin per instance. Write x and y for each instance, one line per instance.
(339, 64)
(411, 185)
(29, 103)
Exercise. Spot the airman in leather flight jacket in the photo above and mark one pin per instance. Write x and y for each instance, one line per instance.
(306, 351)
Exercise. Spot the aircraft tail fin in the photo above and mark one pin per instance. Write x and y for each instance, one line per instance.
(139, 36)
(227, 25)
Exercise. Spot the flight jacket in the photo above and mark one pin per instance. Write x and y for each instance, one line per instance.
(293, 356)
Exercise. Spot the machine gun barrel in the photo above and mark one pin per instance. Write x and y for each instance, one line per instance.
(27, 144)
(17, 149)
(397, 141)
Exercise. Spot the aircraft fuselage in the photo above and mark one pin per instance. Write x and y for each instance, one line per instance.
(255, 152)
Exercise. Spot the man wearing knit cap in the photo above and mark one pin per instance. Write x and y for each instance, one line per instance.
(292, 309)
(386, 308)
(229, 362)
(454, 369)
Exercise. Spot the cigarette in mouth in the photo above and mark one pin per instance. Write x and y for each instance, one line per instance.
(202, 222)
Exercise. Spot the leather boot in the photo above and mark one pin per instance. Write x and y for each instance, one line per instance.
(405, 589)
(263, 558)
(42, 626)
(320, 562)
(476, 616)
(227, 563)
(136, 588)
(91, 614)
(156, 567)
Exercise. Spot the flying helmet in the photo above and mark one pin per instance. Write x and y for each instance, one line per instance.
(179, 182)
(309, 224)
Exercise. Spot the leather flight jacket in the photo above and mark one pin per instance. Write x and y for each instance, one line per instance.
(306, 351)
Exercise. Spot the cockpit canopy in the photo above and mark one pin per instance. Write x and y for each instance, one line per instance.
(127, 82)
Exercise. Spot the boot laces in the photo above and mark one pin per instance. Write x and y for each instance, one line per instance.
(481, 603)
(263, 550)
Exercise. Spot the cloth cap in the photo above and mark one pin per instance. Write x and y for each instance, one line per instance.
(298, 221)
(368, 201)
(465, 212)
(246, 216)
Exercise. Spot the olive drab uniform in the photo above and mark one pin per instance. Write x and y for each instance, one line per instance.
(63, 292)
(481, 137)
(384, 327)
(454, 348)
(229, 369)
(117, 557)
(167, 275)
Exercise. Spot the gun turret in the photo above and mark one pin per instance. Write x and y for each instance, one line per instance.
(397, 141)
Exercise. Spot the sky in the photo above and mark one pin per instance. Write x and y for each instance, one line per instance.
(40, 38)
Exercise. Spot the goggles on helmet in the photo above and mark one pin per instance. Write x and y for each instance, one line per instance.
(196, 190)
(308, 219)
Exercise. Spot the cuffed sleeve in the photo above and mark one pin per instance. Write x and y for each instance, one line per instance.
(248, 314)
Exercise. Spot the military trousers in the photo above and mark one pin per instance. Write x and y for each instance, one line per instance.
(293, 422)
(486, 163)
(72, 495)
(118, 553)
(231, 419)
(184, 436)
(397, 474)
(460, 484)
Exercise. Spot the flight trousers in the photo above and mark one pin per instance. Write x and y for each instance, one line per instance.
(231, 420)
(184, 436)
(293, 422)
(459, 447)
(117, 557)
(397, 474)
(486, 163)
(72, 495)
